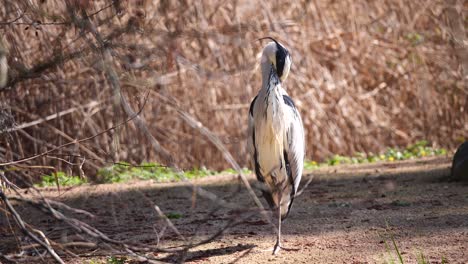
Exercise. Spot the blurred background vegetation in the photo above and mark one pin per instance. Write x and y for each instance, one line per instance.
(366, 75)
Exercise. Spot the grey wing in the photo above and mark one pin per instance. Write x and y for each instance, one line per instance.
(251, 147)
(294, 143)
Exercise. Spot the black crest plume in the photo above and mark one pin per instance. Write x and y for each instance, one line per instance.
(281, 56)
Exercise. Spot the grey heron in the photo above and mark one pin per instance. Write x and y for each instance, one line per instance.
(276, 135)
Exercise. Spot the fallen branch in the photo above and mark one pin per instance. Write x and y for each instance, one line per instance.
(80, 244)
(168, 222)
(54, 203)
(23, 228)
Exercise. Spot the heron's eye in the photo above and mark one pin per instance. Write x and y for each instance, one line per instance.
(273, 60)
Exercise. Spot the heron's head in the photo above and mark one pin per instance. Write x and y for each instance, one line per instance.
(277, 55)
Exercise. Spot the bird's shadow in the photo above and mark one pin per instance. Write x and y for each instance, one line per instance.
(207, 253)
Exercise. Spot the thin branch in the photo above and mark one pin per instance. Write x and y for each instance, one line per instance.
(311, 178)
(4, 182)
(77, 141)
(22, 225)
(39, 68)
(115, 83)
(69, 244)
(53, 116)
(55, 203)
(14, 20)
(169, 222)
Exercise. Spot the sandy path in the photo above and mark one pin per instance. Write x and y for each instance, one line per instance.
(340, 218)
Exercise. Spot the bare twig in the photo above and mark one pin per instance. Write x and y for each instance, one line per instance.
(54, 203)
(22, 226)
(14, 20)
(53, 116)
(168, 221)
(80, 244)
(304, 187)
(75, 141)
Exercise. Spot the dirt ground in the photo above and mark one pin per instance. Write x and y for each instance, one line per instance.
(348, 214)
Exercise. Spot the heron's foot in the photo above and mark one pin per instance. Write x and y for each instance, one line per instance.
(278, 247)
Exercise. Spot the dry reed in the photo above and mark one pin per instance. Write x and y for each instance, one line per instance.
(365, 75)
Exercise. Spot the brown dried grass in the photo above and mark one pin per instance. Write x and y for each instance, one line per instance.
(365, 75)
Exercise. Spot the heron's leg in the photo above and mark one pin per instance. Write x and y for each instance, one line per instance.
(278, 235)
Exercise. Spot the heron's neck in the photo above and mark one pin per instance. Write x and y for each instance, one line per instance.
(270, 78)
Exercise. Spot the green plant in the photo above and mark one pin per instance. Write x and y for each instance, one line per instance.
(96, 261)
(400, 203)
(60, 178)
(310, 165)
(196, 173)
(123, 172)
(388, 248)
(421, 259)
(400, 258)
(173, 215)
(233, 171)
(415, 38)
(418, 150)
(116, 260)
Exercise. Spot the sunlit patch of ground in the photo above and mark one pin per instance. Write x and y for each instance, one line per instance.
(348, 214)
